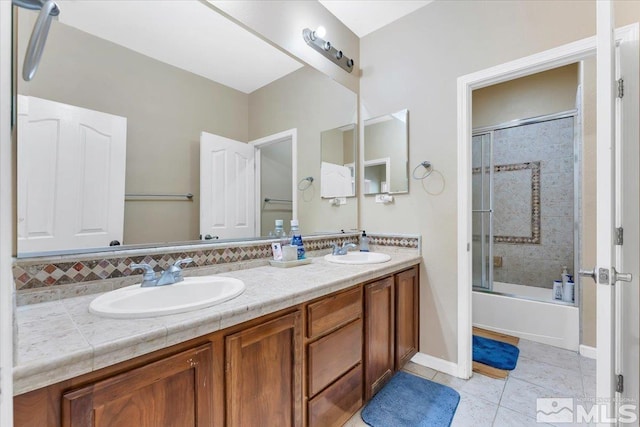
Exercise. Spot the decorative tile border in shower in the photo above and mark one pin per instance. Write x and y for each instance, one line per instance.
(535, 202)
(62, 271)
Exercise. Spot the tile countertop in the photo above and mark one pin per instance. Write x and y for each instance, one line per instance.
(62, 339)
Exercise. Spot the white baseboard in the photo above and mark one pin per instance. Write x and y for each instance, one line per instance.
(587, 351)
(436, 363)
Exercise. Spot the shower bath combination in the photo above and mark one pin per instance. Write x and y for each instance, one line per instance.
(524, 215)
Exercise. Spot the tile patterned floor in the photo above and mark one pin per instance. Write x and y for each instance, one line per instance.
(542, 371)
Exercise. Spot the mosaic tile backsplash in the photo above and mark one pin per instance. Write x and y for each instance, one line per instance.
(42, 274)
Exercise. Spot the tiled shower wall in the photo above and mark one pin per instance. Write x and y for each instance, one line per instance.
(551, 144)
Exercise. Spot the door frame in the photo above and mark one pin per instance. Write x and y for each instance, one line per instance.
(292, 135)
(7, 214)
(549, 59)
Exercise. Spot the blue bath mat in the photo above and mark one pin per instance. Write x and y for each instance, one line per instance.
(494, 353)
(411, 401)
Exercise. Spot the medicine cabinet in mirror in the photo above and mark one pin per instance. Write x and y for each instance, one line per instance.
(152, 97)
(386, 154)
(338, 166)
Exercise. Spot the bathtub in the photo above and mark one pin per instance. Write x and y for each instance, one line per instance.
(531, 315)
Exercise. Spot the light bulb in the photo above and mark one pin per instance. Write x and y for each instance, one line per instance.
(321, 32)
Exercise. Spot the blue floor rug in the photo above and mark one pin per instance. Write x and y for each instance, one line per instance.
(494, 353)
(411, 401)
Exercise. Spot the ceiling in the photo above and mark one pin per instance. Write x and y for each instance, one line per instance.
(189, 35)
(185, 34)
(364, 17)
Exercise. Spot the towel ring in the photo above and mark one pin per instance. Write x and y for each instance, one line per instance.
(301, 183)
(429, 169)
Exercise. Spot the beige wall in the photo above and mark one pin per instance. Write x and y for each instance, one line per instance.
(349, 145)
(388, 139)
(332, 146)
(312, 103)
(275, 183)
(414, 63)
(166, 109)
(543, 93)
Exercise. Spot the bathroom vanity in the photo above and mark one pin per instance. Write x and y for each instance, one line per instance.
(306, 346)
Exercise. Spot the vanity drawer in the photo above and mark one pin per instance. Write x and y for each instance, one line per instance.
(335, 405)
(329, 313)
(333, 355)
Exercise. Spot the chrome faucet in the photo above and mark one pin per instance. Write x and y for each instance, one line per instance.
(344, 249)
(149, 276)
(171, 275)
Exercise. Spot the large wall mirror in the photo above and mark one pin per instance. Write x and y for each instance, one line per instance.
(148, 101)
(386, 154)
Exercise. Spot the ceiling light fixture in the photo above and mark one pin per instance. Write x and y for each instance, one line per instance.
(316, 41)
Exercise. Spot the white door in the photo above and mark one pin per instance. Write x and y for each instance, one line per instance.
(227, 193)
(627, 324)
(611, 178)
(71, 172)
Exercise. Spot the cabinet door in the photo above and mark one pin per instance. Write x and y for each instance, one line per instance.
(407, 316)
(379, 335)
(263, 374)
(175, 391)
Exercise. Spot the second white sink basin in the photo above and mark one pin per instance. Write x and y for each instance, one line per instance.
(191, 294)
(358, 258)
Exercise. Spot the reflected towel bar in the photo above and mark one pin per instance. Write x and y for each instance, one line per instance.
(188, 196)
(270, 200)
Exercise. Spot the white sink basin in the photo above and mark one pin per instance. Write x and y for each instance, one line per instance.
(191, 294)
(358, 258)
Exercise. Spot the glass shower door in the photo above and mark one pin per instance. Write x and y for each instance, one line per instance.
(482, 210)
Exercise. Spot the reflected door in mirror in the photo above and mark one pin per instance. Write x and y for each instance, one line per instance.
(71, 168)
(227, 187)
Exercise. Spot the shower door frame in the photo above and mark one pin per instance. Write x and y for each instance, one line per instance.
(576, 114)
(487, 262)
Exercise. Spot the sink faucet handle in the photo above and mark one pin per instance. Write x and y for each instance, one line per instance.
(185, 261)
(176, 271)
(336, 249)
(149, 274)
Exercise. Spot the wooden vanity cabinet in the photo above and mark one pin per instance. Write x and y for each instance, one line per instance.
(312, 365)
(175, 391)
(407, 316)
(391, 327)
(263, 374)
(334, 358)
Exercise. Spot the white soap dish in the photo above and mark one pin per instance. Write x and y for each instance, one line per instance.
(287, 264)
